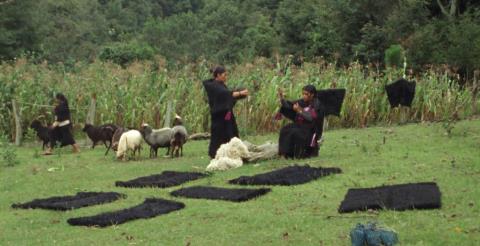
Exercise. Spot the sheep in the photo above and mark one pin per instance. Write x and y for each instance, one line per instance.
(130, 140)
(229, 156)
(116, 137)
(43, 132)
(180, 136)
(159, 138)
(102, 133)
(262, 152)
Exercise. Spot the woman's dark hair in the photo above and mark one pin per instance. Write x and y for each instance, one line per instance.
(217, 70)
(61, 97)
(311, 89)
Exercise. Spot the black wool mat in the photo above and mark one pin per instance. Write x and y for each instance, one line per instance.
(332, 100)
(396, 197)
(401, 92)
(164, 180)
(151, 207)
(292, 175)
(216, 193)
(81, 199)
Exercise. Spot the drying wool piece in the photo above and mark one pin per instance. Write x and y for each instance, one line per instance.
(401, 92)
(151, 207)
(163, 180)
(332, 100)
(216, 193)
(292, 175)
(229, 156)
(396, 197)
(81, 199)
(266, 151)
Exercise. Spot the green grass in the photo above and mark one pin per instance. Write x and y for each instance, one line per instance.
(298, 215)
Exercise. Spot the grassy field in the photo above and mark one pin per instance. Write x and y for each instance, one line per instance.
(298, 215)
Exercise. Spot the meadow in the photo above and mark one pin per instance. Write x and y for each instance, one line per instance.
(293, 215)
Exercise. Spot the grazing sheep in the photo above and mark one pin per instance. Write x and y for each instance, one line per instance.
(116, 137)
(180, 136)
(229, 156)
(130, 140)
(159, 138)
(103, 133)
(43, 132)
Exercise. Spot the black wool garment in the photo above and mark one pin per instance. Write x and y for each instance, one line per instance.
(292, 175)
(163, 180)
(401, 92)
(332, 100)
(81, 199)
(151, 207)
(217, 193)
(395, 197)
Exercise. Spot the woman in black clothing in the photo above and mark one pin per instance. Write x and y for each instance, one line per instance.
(62, 127)
(221, 101)
(299, 139)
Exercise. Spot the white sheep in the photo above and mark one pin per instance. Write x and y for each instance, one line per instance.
(130, 140)
(229, 156)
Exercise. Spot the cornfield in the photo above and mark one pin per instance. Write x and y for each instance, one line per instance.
(141, 92)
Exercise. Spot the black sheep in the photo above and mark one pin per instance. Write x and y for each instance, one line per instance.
(42, 131)
(103, 133)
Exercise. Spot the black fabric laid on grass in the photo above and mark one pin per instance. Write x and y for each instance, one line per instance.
(81, 199)
(164, 180)
(151, 207)
(216, 193)
(397, 197)
(401, 92)
(332, 100)
(292, 175)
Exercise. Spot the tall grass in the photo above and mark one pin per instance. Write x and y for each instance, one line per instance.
(140, 92)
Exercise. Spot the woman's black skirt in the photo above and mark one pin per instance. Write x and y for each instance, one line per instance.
(295, 141)
(63, 134)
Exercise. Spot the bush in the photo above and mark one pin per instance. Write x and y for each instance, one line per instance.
(394, 56)
(124, 54)
(8, 153)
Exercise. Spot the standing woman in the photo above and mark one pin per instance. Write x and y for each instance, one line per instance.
(62, 127)
(299, 139)
(221, 101)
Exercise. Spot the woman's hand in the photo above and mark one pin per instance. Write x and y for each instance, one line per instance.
(55, 124)
(244, 93)
(297, 108)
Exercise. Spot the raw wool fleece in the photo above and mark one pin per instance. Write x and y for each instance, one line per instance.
(266, 151)
(229, 156)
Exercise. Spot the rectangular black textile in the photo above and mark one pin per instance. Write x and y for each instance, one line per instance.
(292, 175)
(401, 92)
(332, 100)
(216, 193)
(81, 199)
(397, 197)
(151, 207)
(164, 180)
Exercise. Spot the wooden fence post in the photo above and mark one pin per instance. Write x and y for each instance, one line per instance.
(91, 115)
(476, 77)
(168, 117)
(18, 123)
